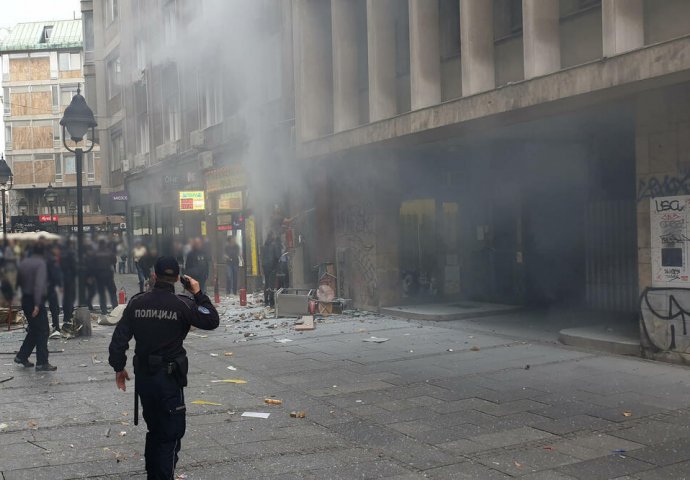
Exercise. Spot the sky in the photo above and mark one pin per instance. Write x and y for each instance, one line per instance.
(17, 11)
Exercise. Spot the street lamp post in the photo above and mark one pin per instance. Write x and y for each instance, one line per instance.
(23, 207)
(50, 196)
(72, 211)
(77, 121)
(6, 180)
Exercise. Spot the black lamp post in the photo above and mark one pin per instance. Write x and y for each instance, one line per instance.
(6, 180)
(50, 196)
(72, 211)
(77, 120)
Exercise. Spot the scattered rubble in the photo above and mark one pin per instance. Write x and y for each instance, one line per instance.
(375, 340)
(255, 414)
(298, 414)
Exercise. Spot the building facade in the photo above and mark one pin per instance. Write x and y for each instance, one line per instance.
(41, 71)
(503, 151)
(187, 114)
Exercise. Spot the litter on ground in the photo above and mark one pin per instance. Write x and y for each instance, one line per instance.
(256, 414)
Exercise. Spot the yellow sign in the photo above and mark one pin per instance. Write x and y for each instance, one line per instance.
(230, 202)
(251, 240)
(203, 228)
(190, 201)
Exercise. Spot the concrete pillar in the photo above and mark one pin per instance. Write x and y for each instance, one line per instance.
(313, 69)
(623, 25)
(425, 56)
(345, 65)
(541, 37)
(477, 46)
(381, 48)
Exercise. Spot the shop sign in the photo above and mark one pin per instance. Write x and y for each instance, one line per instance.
(224, 228)
(231, 177)
(47, 218)
(192, 201)
(230, 202)
(119, 196)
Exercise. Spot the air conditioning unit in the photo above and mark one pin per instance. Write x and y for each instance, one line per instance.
(197, 138)
(206, 160)
(125, 164)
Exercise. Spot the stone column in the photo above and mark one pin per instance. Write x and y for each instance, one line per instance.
(541, 37)
(313, 69)
(477, 46)
(345, 65)
(623, 25)
(381, 40)
(425, 56)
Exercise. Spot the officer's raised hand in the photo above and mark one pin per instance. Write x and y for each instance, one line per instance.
(190, 284)
(120, 379)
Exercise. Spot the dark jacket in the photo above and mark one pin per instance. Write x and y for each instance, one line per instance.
(232, 254)
(197, 265)
(159, 321)
(32, 278)
(270, 255)
(54, 271)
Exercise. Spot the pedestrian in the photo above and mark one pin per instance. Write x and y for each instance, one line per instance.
(104, 266)
(197, 263)
(270, 255)
(232, 258)
(122, 258)
(68, 262)
(89, 274)
(147, 264)
(33, 281)
(55, 282)
(138, 253)
(159, 321)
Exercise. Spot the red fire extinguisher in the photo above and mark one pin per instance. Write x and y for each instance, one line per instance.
(243, 297)
(122, 296)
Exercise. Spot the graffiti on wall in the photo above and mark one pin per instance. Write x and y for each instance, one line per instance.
(669, 185)
(665, 313)
(670, 233)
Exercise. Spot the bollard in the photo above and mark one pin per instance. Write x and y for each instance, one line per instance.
(243, 297)
(216, 290)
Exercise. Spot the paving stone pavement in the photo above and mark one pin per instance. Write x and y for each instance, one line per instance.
(431, 402)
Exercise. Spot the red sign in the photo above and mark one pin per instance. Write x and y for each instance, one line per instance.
(46, 218)
(224, 228)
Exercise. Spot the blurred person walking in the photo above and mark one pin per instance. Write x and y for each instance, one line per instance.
(55, 281)
(68, 263)
(138, 252)
(232, 258)
(197, 263)
(33, 282)
(270, 255)
(159, 321)
(104, 264)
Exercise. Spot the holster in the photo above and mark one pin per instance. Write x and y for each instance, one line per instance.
(177, 368)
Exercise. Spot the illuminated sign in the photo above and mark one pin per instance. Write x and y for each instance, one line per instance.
(191, 201)
(230, 202)
(46, 218)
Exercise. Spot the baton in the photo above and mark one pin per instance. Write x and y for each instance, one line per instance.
(136, 407)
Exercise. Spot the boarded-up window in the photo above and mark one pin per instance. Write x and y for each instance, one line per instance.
(29, 136)
(44, 171)
(22, 170)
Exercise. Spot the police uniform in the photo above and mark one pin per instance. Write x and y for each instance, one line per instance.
(159, 321)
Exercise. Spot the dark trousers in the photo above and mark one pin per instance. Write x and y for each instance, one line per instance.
(232, 279)
(105, 282)
(140, 275)
(37, 334)
(69, 295)
(54, 306)
(90, 291)
(269, 286)
(162, 401)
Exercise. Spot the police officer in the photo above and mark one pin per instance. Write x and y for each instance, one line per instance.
(159, 320)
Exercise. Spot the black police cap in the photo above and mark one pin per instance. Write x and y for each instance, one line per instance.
(167, 266)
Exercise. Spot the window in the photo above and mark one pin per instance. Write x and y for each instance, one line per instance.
(111, 11)
(70, 165)
(58, 168)
(117, 150)
(507, 18)
(69, 61)
(171, 105)
(56, 131)
(90, 170)
(87, 19)
(55, 97)
(8, 135)
(143, 133)
(141, 55)
(66, 94)
(113, 71)
(170, 23)
(47, 34)
(8, 104)
(210, 101)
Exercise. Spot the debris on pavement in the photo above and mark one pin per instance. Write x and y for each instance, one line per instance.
(627, 413)
(376, 340)
(230, 380)
(214, 354)
(228, 354)
(307, 324)
(256, 415)
(122, 433)
(298, 414)
(205, 402)
(3, 426)
(273, 401)
(527, 367)
(33, 424)
(230, 367)
(6, 379)
(474, 348)
(283, 340)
